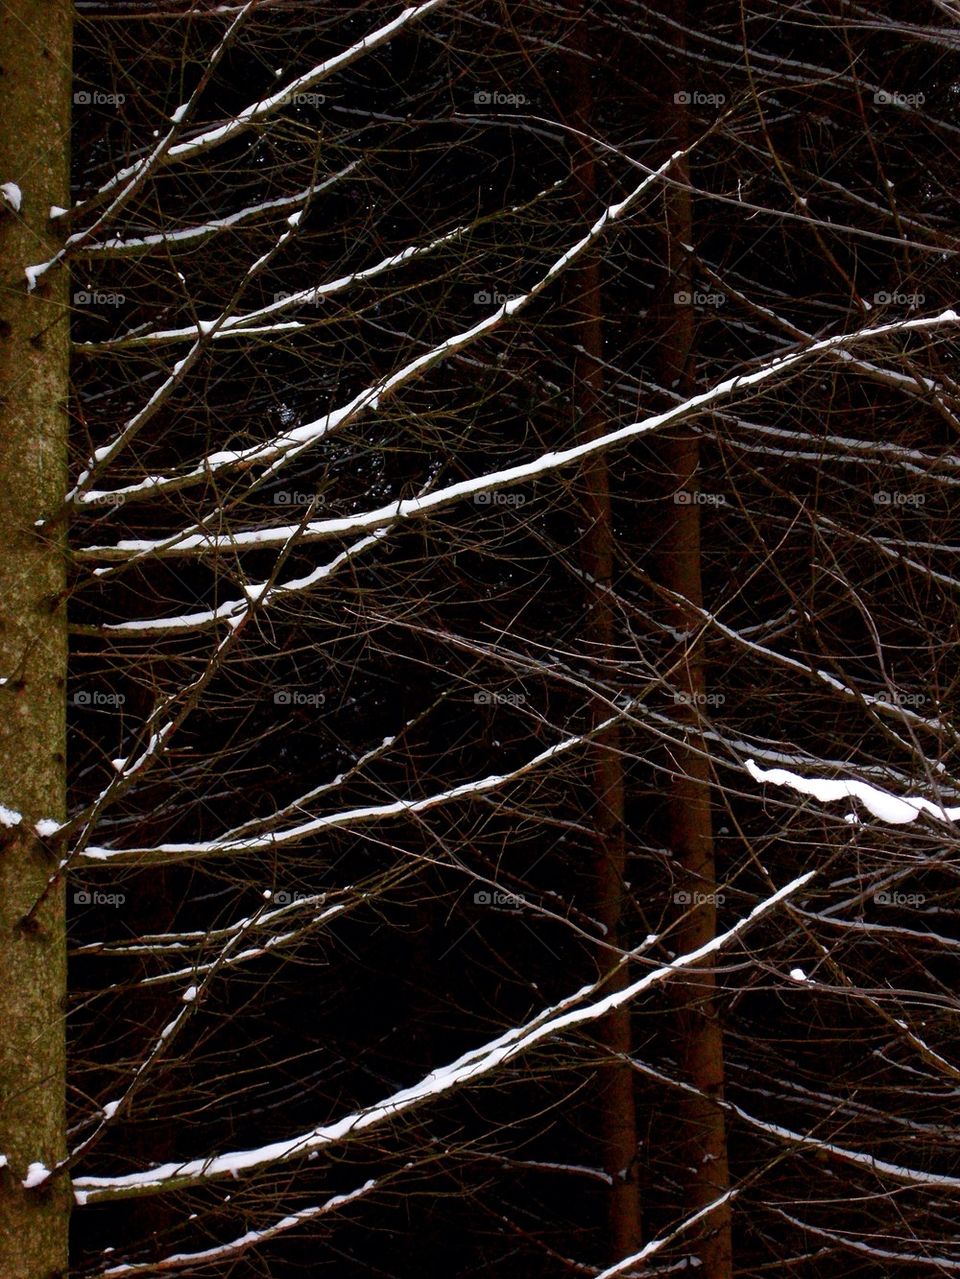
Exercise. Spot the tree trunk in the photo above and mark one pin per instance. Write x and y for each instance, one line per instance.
(700, 1051)
(615, 1082)
(35, 80)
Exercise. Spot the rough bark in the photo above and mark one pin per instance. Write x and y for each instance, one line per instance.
(35, 79)
(700, 1041)
(615, 1083)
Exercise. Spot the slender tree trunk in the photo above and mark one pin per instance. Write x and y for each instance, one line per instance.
(617, 1105)
(700, 1053)
(35, 79)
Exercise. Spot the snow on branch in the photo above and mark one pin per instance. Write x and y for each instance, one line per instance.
(189, 237)
(938, 1263)
(131, 180)
(626, 1265)
(205, 332)
(243, 325)
(260, 111)
(204, 543)
(237, 1247)
(881, 804)
(351, 817)
(291, 443)
(472, 1065)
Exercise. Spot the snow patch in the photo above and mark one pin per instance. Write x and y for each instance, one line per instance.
(12, 195)
(35, 1174)
(9, 817)
(881, 804)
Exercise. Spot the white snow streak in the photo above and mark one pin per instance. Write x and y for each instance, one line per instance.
(12, 195)
(206, 542)
(36, 1173)
(472, 1065)
(888, 808)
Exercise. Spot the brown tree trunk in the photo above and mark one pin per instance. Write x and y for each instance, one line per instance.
(35, 79)
(615, 1086)
(700, 1052)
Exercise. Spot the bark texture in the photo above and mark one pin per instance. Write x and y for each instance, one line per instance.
(700, 1039)
(35, 80)
(615, 1079)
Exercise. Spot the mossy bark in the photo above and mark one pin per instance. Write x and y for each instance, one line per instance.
(35, 84)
